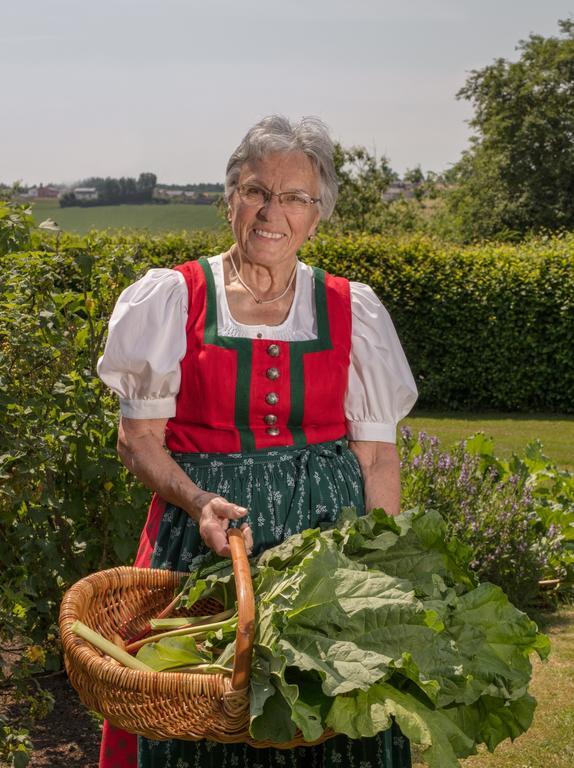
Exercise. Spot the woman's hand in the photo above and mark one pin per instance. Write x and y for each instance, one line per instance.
(213, 513)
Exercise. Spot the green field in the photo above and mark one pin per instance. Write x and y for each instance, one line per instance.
(173, 217)
(511, 431)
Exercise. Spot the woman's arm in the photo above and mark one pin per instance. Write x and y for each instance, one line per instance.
(141, 449)
(380, 466)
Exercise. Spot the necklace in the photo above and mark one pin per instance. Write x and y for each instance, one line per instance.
(248, 289)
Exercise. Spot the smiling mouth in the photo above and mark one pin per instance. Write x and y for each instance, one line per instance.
(269, 235)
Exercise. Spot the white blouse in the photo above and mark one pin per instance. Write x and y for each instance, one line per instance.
(147, 341)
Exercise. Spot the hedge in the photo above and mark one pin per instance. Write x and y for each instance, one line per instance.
(484, 327)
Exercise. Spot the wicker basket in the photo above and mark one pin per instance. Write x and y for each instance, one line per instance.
(160, 705)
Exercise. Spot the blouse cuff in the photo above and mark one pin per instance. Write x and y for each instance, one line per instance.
(372, 430)
(150, 408)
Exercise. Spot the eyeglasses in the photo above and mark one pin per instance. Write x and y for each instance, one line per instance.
(293, 202)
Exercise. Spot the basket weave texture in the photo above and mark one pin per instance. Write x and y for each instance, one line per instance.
(157, 705)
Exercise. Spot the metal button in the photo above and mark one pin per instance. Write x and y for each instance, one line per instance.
(270, 419)
(273, 431)
(272, 398)
(273, 350)
(272, 373)
(259, 335)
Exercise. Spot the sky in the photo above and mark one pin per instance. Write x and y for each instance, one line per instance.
(118, 87)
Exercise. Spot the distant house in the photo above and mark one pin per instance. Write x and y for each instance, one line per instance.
(397, 189)
(180, 196)
(45, 192)
(184, 196)
(85, 193)
(41, 192)
(168, 194)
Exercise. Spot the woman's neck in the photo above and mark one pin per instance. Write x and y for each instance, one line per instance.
(265, 280)
(245, 309)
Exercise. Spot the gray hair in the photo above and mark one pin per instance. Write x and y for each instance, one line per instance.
(277, 134)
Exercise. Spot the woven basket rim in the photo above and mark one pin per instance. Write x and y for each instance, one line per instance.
(80, 651)
(83, 656)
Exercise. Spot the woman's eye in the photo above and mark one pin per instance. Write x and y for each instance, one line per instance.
(293, 197)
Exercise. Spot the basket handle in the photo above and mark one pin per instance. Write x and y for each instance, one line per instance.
(246, 609)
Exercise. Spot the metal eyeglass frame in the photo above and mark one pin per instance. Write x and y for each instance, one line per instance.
(267, 195)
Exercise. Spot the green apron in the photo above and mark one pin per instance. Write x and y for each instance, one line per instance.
(286, 491)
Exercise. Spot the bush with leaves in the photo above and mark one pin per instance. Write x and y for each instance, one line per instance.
(67, 506)
(15, 223)
(484, 327)
(510, 514)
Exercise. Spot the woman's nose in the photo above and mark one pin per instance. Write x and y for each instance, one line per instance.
(270, 206)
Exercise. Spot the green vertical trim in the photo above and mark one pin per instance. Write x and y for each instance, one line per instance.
(296, 351)
(297, 381)
(323, 340)
(210, 328)
(244, 361)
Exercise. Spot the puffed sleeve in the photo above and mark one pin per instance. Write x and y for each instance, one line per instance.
(146, 342)
(381, 388)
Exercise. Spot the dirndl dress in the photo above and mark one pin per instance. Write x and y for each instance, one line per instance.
(262, 423)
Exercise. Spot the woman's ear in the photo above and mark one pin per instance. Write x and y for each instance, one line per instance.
(313, 229)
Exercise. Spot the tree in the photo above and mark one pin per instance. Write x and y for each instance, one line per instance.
(362, 181)
(416, 177)
(146, 184)
(113, 191)
(518, 174)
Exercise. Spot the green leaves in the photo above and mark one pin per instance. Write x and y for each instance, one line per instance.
(379, 618)
(362, 180)
(517, 175)
(171, 653)
(15, 225)
(484, 327)
(513, 517)
(439, 738)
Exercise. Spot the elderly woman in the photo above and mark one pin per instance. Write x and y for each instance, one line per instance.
(275, 387)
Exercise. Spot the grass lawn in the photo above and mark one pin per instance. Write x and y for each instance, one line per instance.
(511, 431)
(173, 217)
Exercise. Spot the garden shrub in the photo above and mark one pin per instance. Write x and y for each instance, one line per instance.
(15, 223)
(484, 327)
(511, 514)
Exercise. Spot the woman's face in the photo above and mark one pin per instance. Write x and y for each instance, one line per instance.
(268, 234)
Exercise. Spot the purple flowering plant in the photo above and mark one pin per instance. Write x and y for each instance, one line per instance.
(516, 516)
